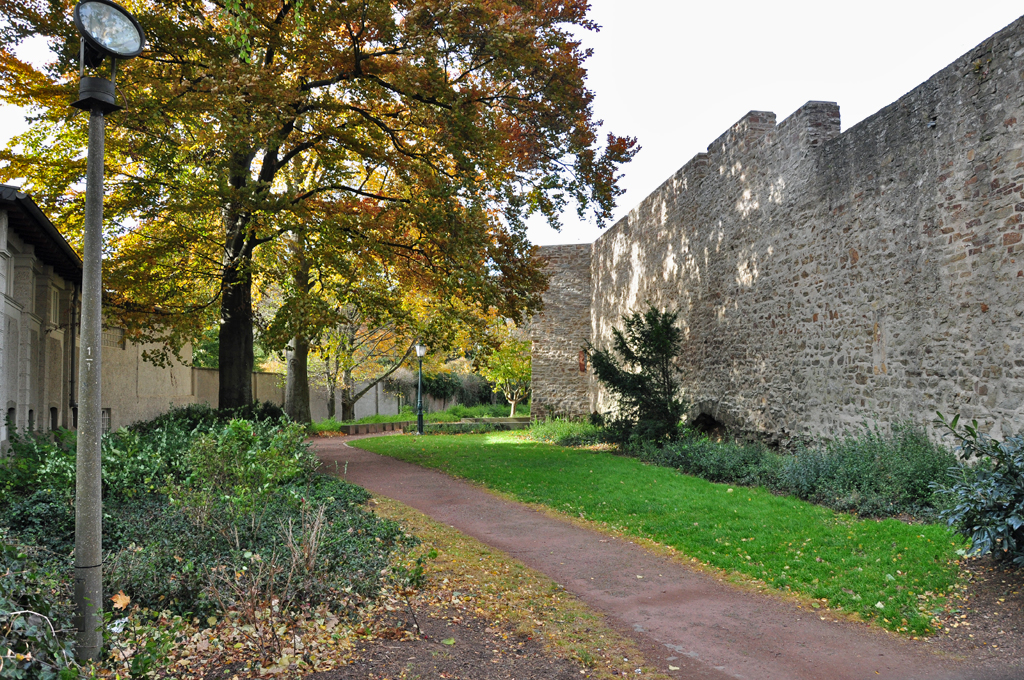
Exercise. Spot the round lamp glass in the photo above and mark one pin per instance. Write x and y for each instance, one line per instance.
(111, 28)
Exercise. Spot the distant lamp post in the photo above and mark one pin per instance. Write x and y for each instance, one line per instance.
(421, 351)
(107, 30)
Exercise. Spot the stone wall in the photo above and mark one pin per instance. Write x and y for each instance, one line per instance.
(828, 279)
(560, 332)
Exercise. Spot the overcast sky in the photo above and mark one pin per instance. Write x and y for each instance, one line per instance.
(677, 74)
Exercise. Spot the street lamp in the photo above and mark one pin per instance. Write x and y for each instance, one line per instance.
(107, 30)
(421, 351)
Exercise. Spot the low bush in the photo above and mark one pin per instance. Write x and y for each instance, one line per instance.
(870, 472)
(169, 555)
(985, 496)
(196, 505)
(36, 634)
(567, 432)
(696, 454)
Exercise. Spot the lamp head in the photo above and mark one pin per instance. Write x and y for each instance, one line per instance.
(108, 31)
(421, 350)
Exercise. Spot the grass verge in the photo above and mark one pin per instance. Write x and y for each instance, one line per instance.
(887, 571)
(505, 591)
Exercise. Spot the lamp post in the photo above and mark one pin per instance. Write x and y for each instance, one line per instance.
(107, 30)
(421, 351)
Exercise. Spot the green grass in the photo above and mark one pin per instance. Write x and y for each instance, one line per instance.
(786, 543)
(452, 414)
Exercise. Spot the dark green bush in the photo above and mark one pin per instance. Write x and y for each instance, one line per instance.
(192, 496)
(36, 635)
(22, 470)
(870, 472)
(985, 497)
(46, 518)
(641, 371)
(698, 455)
(167, 555)
(205, 418)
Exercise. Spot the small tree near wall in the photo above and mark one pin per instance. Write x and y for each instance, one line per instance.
(641, 371)
(510, 368)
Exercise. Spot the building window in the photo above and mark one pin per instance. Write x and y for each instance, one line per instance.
(31, 420)
(55, 307)
(12, 420)
(113, 337)
(74, 417)
(105, 420)
(54, 418)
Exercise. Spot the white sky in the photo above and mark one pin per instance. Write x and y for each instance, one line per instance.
(677, 74)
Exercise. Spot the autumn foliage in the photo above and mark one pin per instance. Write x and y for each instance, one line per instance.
(435, 128)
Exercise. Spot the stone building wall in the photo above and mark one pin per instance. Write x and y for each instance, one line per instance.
(828, 279)
(559, 334)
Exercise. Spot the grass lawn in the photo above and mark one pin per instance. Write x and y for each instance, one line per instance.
(895, 573)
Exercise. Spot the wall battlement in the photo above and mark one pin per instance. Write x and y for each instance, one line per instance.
(828, 279)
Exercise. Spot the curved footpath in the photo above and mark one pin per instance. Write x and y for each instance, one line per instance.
(679, 616)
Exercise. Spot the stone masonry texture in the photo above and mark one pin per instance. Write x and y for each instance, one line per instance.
(825, 280)
(559, 333)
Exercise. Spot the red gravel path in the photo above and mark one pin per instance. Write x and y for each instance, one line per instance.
(681, 617)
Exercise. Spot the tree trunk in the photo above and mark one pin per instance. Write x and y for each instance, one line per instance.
(348, 406)
(296, 391)
(512, 414)
(296, 394)
(332, 386)
(236, 360)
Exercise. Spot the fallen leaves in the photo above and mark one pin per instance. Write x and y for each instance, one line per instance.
(120, 600)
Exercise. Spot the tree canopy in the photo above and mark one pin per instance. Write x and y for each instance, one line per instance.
(433, 128)
(510, 369)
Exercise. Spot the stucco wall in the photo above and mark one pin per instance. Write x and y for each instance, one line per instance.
(825, 279)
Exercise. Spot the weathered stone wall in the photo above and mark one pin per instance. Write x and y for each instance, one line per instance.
(826, 279)
(559, 333)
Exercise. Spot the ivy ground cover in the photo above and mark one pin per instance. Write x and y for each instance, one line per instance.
(888, 571)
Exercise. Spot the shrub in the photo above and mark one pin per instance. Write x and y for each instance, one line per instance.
(242, 491)
(986, 496)
(696, 454)
(567, 432)
(168, 556)
(641, 371)
(36, 635)
(871, 472)
(22, 471)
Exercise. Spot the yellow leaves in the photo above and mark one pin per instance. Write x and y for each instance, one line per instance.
(120, 600)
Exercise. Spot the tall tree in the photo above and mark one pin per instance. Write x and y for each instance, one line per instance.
(456, 118)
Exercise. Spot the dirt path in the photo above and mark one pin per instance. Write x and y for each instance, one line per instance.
(679, 616)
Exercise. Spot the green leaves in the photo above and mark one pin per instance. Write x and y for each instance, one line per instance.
(641, 371)
(986, 494)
